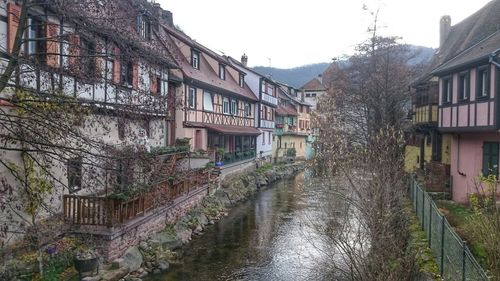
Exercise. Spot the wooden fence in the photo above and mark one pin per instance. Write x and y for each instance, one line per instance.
(106, 211)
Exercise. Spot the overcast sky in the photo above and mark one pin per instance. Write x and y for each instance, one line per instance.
(290, 33)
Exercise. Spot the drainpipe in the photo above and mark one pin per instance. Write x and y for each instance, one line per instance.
(458, 157)
(492, 58)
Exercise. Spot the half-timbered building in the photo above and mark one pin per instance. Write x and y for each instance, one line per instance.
(217, 108)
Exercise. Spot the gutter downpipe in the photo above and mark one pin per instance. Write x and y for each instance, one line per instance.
(492, 58)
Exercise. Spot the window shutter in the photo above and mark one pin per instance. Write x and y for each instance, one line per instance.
(74, 53)
(135, 75)
(13, 16)
(116, 66)
(154, 84)
(52, 31)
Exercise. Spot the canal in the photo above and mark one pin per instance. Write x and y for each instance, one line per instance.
(266, 238)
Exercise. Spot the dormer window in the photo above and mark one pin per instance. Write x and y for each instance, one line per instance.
(222, 71)
(195, 59)
(242, 80)
(144, 26)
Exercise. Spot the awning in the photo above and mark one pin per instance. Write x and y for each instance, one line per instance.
(225, 129)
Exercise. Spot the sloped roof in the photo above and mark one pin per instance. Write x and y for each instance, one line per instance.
(206, 75)
(464, 41)
(314, 85)
(286, 110)
(480, 51)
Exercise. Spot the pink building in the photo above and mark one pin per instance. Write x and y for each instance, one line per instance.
(469, 79)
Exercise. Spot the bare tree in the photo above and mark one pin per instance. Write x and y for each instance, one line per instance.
(360, 146)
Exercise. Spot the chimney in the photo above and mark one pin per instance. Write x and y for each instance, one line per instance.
(320, 78)
(444, 29)
(163, 15)
(244, 60)
(168, 17)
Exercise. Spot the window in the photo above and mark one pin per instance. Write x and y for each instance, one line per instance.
(195, 59)
(126, 72)
(88, 57)
(242, 80)
(269, 137)
(225, 105)
(483, 82)
(447, 89)
(313, 95)
(159, 83)
(234, 107)
(248, 110)
(35, 34)
(191, 99)
(463, 87)
(263, 138)
(208, 103)
(490, 158)
(74, 174)
(121, 129)
(308, 95)
(144, 26)
(222, 71)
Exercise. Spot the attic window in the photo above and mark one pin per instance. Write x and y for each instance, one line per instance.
(195, 59)
(222, 72)
(242, 80)
(144, 26)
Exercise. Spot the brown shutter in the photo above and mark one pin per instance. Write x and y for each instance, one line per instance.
(13, 16)
(135, 75)
(154, 84)
(116, 66)
(52, 45)
(74, 53)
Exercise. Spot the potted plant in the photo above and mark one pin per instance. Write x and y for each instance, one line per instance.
(86, 260)
(219, 157)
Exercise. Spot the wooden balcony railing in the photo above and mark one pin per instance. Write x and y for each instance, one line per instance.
(108, 211)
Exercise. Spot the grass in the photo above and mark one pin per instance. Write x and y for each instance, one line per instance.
(459, 216)
(424, 257)
(265, 167)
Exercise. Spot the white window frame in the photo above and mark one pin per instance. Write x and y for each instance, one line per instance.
(234, 107)
(225, 105)
(195, 59)
(208, 101)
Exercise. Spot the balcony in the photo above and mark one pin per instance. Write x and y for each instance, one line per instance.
(425, 114)
(269, 99)
(237, 156)
(113, 211)
(266, 124)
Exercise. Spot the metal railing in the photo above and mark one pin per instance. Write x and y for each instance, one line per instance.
(453, 256)
(237, 156)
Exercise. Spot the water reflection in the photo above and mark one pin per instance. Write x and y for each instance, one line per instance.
(266, 238)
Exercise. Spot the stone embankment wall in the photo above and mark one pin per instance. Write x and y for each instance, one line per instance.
(156, 253)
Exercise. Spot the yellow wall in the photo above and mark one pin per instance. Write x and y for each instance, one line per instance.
(300, 145)
(411, 157)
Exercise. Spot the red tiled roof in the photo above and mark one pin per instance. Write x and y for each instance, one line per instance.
(225, 129)
(313, 85)
(286, 111)
(206, 74)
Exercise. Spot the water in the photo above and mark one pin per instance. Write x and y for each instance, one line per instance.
(267, 238)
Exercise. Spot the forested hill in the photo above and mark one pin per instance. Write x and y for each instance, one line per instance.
(299, 76)
(295, 77)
